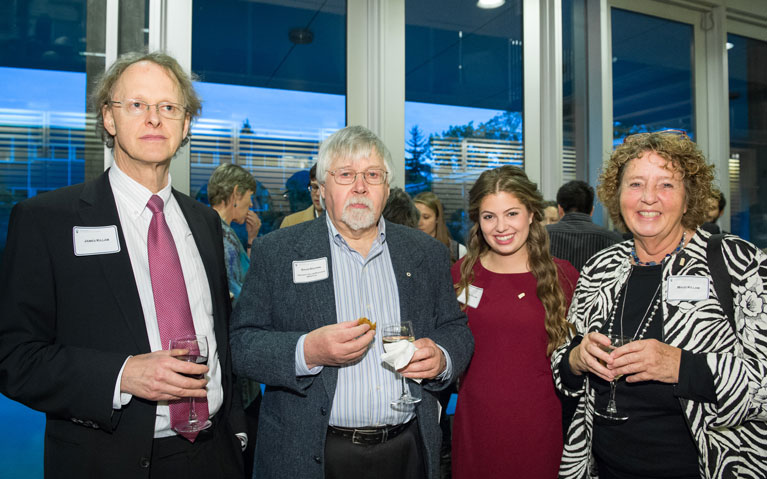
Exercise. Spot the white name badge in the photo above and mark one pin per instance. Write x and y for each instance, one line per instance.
(687, 288)
(90, 240)
(310, 270)
(475, 294)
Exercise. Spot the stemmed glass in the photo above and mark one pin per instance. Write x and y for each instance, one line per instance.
(393, 334)
(197, 352)
(611, 411)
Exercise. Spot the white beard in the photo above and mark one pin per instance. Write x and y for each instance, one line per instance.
(357, 218)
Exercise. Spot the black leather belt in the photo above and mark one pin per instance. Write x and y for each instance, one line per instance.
(369, 436)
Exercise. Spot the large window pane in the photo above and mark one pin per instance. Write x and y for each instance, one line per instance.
(574, 111)
(652, 74)
(463, 91)
(747, 63)
(270, 96)
(50, 53)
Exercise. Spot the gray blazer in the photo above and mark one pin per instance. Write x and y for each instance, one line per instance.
(273, 312)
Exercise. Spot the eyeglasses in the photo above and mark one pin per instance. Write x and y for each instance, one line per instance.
(313, 188)
(347, 176)
(637, 136)
(165, 109)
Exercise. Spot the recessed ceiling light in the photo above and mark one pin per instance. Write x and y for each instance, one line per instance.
(490, 3)
(730, 46)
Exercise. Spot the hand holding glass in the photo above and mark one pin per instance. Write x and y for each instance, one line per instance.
(611, 411)
(393, 334)
(197, 352)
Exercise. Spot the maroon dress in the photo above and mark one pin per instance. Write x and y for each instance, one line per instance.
(508, 420)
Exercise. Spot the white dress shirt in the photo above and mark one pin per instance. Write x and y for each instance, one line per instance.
(131, 199)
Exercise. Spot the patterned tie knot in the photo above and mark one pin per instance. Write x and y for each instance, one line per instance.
(155, 204)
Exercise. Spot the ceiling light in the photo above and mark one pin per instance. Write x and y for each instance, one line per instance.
(730, 46)
(490, 3)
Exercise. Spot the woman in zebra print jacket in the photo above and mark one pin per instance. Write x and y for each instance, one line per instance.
(694, 399)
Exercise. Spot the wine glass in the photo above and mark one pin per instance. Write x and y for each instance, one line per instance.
(611, 411)
(197, 352)
(394, 334)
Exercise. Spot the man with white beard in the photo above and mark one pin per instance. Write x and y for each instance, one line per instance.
(327, 411)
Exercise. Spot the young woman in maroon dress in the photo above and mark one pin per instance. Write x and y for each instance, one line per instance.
(508, 421)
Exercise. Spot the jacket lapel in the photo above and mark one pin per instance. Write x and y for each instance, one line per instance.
(98, 208)
(406, 261)
(207, 245)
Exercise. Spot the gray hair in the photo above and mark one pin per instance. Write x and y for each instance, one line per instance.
(223, 180)
(104, 89)
(352, 142)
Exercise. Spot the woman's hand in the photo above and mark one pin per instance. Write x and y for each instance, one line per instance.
(586, 356)
(252, 225)
(647, 360)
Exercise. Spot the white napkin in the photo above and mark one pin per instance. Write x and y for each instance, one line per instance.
(397, 355)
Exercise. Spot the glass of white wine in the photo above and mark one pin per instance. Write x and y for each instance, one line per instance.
(611, 412)
(393, 334)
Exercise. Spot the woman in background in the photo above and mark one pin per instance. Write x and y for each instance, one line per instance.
(432, 223)
(229, 190)
(509, 419)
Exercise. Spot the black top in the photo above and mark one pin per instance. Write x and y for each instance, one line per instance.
(655, 441)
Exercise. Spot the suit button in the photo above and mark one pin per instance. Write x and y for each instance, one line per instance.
(317, 459)
(323, 411)
(144, 462)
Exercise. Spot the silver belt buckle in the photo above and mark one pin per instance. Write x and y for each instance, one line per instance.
(360, 433)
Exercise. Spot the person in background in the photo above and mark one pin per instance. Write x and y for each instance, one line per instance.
(691, 398)
(400, 209)
(230, 188)
(508, 419)
(97, 278)
(715, 211)
(550, 213)
(433, 223)
(328, 412)
(575, 237)
(313, 211)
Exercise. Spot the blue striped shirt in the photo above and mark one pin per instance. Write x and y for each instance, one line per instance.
(364, 287)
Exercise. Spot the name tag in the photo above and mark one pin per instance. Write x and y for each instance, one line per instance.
(475, 294)
(687, 288)
(90, 240)
(310, 270)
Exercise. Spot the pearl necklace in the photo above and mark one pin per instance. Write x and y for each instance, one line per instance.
(653, 263)
(648, 315)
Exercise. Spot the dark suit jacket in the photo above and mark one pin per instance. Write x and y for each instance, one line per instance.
(67, 324)
(273, 312)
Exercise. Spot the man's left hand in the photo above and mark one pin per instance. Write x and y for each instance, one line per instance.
(647, 360)
(427, 362)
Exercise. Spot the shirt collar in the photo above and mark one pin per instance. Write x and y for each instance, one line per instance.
(135, 195)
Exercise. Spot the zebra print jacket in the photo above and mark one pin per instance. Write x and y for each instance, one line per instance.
(731, 434)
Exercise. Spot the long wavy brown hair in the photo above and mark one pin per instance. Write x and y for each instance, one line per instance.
(513, 180)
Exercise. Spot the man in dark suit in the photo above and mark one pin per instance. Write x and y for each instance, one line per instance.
(575, 237)
(83, 330)
(328, 410)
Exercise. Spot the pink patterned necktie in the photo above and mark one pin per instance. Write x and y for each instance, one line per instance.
(174, 316)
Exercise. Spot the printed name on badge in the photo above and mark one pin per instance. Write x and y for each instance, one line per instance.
(91, 240)
(475, 294)
(310, 270)
(687, 288)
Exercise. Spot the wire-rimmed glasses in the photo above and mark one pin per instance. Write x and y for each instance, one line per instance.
(166, 109)
(347, 176)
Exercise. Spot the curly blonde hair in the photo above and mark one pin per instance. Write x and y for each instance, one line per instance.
(682, 155)
(513, 180)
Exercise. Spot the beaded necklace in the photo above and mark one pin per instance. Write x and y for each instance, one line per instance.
(653, 263)
(648, 315)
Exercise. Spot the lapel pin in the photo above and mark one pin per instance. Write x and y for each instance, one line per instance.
(408, 274)
(521, 295)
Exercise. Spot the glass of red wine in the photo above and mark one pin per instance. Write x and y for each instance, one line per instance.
(197, 352)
